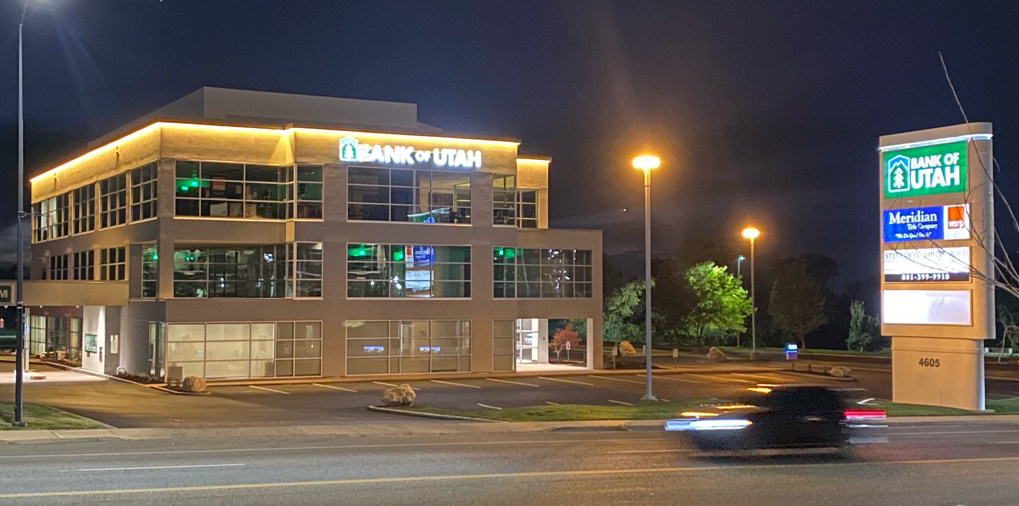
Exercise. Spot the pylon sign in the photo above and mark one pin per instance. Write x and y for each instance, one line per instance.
(937, 244)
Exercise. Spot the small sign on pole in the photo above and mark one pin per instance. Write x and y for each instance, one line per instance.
(675, 357)
(790, 351)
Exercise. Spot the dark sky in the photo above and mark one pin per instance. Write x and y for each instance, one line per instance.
(764, 112)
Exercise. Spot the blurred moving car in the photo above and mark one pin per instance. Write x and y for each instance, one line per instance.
(776, 417)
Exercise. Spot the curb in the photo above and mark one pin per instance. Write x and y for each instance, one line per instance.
(825, 376)
(422, 414)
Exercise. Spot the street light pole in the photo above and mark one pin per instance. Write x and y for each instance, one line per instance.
(19, 353)
(646, 163)
(739, 275)
(752, 233)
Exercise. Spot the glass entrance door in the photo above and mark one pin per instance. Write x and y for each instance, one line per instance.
(527, 341)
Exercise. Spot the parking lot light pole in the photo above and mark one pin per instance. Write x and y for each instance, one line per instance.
(752, 233)
(646, 163)
(19, 341)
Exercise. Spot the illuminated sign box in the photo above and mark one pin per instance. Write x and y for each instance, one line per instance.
(926, 223)
(925, 170)
(926, 307)
(927, 264)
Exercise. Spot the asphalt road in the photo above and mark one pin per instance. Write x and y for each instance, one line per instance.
(948, 464)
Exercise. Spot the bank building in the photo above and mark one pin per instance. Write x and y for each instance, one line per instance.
(236, 234)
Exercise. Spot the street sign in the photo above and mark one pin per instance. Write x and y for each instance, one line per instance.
(6, 294)
(790, 351)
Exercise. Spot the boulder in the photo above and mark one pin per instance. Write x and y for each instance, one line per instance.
(839, 371)
(625, 348)
(717, 355)
(402, 395)
(193, 384)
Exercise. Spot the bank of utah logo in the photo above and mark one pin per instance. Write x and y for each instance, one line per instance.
(898, 174)
(348, 149)
(925, 170)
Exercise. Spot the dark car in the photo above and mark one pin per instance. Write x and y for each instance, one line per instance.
(778, 417)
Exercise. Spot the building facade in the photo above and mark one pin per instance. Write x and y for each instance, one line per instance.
(237, 234)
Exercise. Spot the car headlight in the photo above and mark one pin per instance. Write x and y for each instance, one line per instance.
(720, 424)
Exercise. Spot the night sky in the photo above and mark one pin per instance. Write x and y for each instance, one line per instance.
(764, 112)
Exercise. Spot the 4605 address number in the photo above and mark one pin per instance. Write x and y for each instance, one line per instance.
(930, 362)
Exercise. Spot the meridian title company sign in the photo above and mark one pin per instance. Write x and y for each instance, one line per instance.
(926, 170)
(926, 223)
(353, 151)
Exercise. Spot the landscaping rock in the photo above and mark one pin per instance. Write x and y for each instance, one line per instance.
(193, 384)
(625, 348)
(717, 355)
(402, 395)
(839, 371)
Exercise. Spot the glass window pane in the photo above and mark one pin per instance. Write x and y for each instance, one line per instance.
(183, 332)
(307, 349)
(184, 351)
(307, 367)
(228, 332)
(228, 350)
(308, 330)
(262, 331)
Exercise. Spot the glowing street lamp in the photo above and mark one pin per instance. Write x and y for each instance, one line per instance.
(646, 163)
(752, 233)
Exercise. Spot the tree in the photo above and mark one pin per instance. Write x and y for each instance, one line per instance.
(623, 310)
(797, 304)
(722, 304)
(562, 337)
(862, 328)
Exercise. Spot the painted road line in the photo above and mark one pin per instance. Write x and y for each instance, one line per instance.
(391, 385)
(489, 407)
(557, 474)
(552, 403)
(671, 450)
(335, 388)
(269, 390)
(566, 381)
(717, 378)
(616, 379)
(514, 382)
(328, 447)
(673, 378)
(193, 466)
(761, 376)
(621, 402)
(455, 384)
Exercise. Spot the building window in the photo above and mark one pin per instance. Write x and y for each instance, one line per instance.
(232, 271)
(84, 209)
(405, 347)
(84, 265)
(245, 350)
(504, 345)
(112, 264)
(541, 273)
(309, 269)
(404, 195)
(527, 208)
(52, 218)
(143, 192)
(309, 191)
(113, 199)
(150, 272)
(504, 205)
(397, 270)
(233, 190)
(299, 349)
(58, 267)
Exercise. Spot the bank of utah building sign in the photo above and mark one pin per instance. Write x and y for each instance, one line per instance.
(937, 241)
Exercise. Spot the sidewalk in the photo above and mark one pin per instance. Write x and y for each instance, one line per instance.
(417, 428)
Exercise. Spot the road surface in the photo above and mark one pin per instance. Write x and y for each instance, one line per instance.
(946, 464)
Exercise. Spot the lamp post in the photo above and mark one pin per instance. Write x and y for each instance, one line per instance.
(646, 163)
(19, 342)
(752, 233)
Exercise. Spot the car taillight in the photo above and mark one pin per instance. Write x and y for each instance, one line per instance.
(864, 414)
